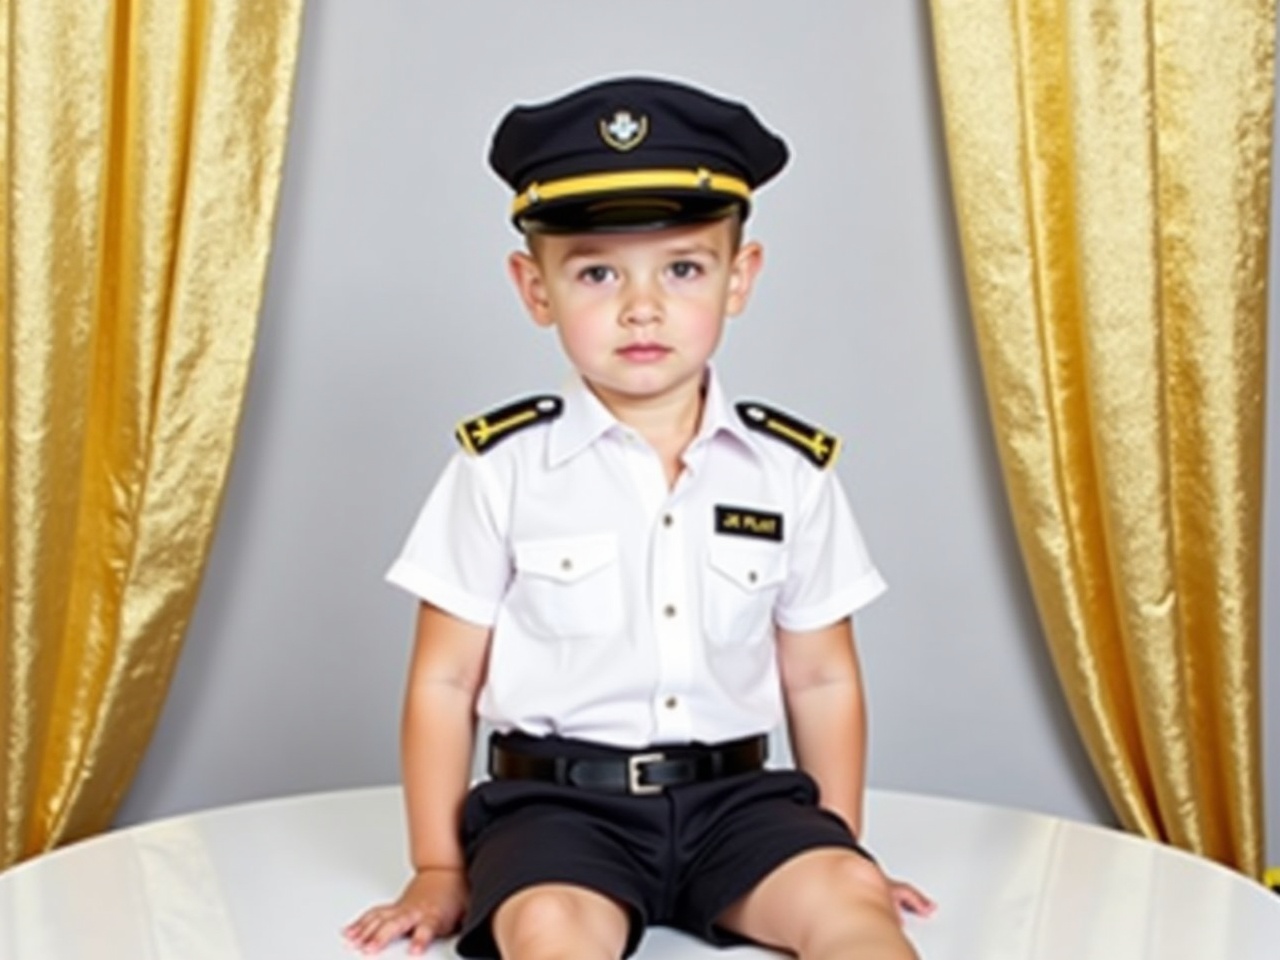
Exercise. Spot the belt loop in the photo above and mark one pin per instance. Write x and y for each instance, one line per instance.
(562, 771)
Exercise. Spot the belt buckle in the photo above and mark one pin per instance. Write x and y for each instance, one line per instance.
(634, 786)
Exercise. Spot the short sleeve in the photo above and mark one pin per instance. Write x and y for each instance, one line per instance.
(830, 572)
(456, 555)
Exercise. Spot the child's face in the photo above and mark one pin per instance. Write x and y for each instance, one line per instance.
(638, 314)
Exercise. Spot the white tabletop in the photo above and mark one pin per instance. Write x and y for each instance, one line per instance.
(276, 880)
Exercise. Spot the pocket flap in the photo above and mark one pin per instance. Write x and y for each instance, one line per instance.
(566, 559)
(750, 566)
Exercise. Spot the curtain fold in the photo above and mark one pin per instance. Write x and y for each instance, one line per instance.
(139, 172)
(1110, 165)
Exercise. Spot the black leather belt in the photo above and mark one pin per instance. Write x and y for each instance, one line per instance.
(641, 773)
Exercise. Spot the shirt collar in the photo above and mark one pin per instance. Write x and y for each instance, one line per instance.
(718, 415)
(585, 419)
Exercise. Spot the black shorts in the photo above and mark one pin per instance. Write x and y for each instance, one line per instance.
(677, 859)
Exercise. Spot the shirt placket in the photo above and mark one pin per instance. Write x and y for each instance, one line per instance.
(668, 598)
(672, 625)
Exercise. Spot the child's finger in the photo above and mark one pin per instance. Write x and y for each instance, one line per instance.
(421, 938)
(912, 900)
(379, 927)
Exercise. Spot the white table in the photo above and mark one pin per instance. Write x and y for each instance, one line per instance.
(276, 880)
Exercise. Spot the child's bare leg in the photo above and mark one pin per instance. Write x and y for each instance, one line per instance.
(560, 921)
(822, 904)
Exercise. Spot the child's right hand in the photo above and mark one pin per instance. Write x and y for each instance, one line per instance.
(431, 906)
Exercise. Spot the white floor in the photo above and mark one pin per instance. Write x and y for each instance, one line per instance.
(276, 880)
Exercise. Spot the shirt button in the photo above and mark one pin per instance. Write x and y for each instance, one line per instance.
(668, 519)
(671, 703)
(566, 564)
(752, 577)
(669, 610)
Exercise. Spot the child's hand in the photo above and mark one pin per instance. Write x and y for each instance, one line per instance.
(431, 906)
(908, 899)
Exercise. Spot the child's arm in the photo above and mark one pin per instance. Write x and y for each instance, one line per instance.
(438, 738)
(826, 713)
(822, 684)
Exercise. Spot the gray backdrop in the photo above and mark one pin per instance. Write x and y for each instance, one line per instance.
(388, 317)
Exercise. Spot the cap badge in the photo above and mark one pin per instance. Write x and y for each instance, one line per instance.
(624, 130)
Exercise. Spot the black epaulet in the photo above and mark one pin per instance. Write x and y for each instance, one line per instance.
(480, 434)
(815, 445)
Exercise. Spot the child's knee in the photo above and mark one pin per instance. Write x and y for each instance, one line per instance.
(823, 903)
(861, 877)
(839, 874)
(559, 920)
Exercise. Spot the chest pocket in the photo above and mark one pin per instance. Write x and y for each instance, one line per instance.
(568, 587)
(743, 581)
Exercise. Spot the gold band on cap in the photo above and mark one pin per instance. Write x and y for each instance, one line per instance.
(591, 183)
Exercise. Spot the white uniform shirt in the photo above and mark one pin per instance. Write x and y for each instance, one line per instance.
(619, 613)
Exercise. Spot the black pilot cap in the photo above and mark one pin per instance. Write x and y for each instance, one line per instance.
(632, 154)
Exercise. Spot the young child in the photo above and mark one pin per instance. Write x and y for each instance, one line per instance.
(634, 581)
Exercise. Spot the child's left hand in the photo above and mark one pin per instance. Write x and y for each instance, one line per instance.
(909, 899)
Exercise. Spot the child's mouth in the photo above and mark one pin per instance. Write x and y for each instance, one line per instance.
(644, 352)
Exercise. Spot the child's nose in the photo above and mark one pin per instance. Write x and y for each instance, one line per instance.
(642, 305)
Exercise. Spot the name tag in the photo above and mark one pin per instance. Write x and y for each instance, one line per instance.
(745, 522)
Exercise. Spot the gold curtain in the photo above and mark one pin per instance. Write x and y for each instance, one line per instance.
(139, 171)
(1110, 165)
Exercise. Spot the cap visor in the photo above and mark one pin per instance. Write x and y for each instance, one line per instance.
(626, 213)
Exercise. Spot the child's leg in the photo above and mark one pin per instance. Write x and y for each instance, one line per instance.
(827, 902)
(544, 858)
(562, 921)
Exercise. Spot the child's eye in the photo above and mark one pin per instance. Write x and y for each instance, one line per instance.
(685, 269)
(595, 274)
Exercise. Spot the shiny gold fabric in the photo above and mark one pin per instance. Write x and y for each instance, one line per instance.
(139, 169)
(1110, 164)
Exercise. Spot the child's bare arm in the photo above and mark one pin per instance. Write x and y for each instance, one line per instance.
(822, 684)
(826, 713)
(438, 732)
(437, 740)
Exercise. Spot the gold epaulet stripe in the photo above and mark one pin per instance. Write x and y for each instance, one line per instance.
(817, 446)
(479, 434)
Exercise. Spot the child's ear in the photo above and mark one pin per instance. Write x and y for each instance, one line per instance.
(526, 274)
(742, 276)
